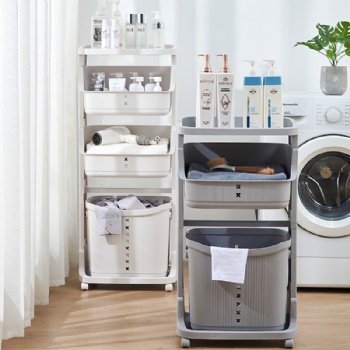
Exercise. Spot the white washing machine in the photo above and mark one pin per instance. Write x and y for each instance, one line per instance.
(323, 201)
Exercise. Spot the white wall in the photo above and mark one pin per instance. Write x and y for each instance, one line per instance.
(245, 29)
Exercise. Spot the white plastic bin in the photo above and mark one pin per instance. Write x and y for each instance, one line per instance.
(140, 250)
(260, 303)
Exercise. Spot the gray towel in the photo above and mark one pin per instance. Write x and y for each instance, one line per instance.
(199, 172)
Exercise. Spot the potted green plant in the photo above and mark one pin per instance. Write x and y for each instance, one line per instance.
(334, 44)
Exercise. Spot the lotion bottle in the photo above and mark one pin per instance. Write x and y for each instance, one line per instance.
(252, 99)
(158, 28)
(206, 95)
(130, 32)
(151, 84)
(141, 32)
(115, 34)
(225, 95)
(273, 113)
(96, 27)
(105, 34)
(116, 15)
(139, 86)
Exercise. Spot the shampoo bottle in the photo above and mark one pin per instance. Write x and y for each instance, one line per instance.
(116, 15)
(273, 113)
(225, 95)
(139, 86)
(206, 96)
(96, 27)
(115, 34)
(157, 31)
(252, 99)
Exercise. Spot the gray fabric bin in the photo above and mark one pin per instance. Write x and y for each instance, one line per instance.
(260, 303)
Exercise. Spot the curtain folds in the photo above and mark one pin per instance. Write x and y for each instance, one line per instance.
(38, 155)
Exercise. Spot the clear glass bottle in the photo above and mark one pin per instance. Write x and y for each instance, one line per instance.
(141, 32)
(130, 32)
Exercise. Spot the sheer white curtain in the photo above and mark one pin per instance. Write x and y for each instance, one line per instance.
(38, 205)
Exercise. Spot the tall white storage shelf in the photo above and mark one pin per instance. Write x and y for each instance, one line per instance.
(144, 249)
(264, 306)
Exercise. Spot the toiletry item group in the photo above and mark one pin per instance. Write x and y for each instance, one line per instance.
(115, 32)
(117, 82)
(215, 95)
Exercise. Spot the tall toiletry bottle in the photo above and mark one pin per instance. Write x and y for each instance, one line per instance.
(225, 89)
(252, 99)
(206, 95)
(130, 32)
(96, 27)
(105, 34)
(115, 34)
(273, 112)
(141, 32)
(158, 28)
(116, 15)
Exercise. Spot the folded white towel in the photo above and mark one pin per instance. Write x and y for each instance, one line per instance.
(228, 264)
(109, 220)
(129, 148)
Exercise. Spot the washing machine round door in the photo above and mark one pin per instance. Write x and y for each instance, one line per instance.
(324, 186)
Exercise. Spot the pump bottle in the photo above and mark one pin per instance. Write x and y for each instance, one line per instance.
(158, 28)
(225, 95)
(158, 80)
(96, 27)
(121, 23)
(133, 85)
(206, 95)
(151, 84)
(252, 99)
(273, 113)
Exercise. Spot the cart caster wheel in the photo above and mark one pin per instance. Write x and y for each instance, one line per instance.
(185, 343)
(84, 286)
(289, 343)
(169, 287)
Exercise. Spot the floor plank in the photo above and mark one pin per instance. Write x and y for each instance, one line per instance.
(144, 317)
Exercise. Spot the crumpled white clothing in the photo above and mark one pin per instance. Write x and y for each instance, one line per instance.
(109, 220)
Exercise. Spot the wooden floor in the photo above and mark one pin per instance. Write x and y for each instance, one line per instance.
(144, 317)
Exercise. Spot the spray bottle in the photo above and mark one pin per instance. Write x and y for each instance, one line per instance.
(116, 15)
(157, 31)
(273, 113)
(225, 95)
(252, 99)
(206, 95)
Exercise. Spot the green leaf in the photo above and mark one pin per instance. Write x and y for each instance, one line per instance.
(342, 32)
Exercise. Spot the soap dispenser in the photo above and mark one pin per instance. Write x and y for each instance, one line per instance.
(225, 89)
(118, 22)
(158, 80)
(158, 28)
(252, 99)
(139, 86)
(206, 95)
(151, 84)
(273, 113)
(133, 85)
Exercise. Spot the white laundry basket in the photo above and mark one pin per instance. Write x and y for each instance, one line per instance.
(140, 250)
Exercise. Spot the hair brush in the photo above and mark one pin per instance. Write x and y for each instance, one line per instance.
(220, 163)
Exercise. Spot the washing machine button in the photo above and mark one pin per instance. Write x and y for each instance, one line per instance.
(333, 115)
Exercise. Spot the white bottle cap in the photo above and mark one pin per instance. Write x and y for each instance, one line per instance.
(139, 79)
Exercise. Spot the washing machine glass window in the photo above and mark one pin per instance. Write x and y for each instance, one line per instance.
(324, 185)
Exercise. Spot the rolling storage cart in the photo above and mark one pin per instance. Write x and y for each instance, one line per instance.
(131, 245)
(264, 306)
